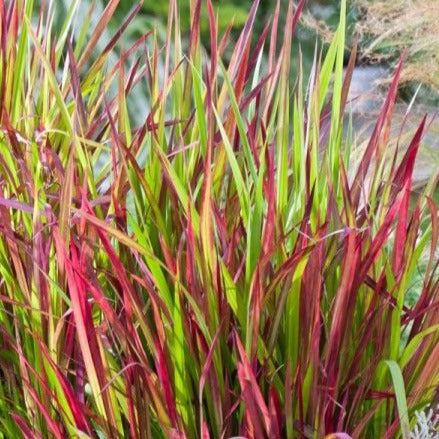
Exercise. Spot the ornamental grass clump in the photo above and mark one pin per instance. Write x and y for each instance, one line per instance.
(232, 266)
(387, 29)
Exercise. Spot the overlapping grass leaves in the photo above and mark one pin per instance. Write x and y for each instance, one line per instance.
(232, 266)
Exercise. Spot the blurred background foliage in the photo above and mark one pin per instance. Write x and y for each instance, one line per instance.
(388, 29)
(154, 15)
(235, 12)
(383, 30)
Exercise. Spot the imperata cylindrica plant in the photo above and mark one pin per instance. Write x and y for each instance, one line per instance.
(228, 264)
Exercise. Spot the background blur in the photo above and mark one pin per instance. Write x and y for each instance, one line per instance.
(154, 15)
(383, 30)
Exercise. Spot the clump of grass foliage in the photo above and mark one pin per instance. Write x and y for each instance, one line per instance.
(230, 266)
(410, 26)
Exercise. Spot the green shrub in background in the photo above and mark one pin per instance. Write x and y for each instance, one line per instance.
(227, 12)
(228, 266)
